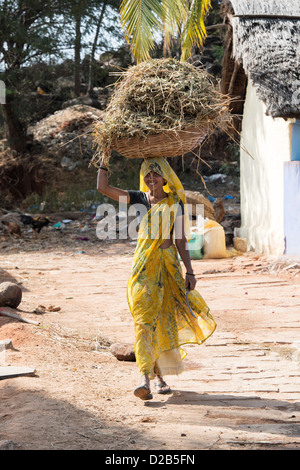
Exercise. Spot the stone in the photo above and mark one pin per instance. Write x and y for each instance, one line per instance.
(10, 295)
(8, 372)
(123, 352)
(6, 344)
(240, 244)
(8, 445)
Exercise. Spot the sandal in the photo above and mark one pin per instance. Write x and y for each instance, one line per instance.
(143, 392)
(162, 387)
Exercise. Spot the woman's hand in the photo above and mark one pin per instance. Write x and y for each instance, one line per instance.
(120, 195)
(190, 282)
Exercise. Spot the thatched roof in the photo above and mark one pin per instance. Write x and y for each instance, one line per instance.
(261, 8)
(266, 40)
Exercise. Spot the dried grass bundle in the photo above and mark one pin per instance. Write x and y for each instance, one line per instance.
(161, 107)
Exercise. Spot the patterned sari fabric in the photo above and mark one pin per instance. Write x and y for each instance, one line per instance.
(156, 287)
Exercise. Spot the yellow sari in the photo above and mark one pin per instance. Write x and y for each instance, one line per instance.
(156, 288)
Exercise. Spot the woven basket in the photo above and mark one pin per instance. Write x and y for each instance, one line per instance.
(165, 144)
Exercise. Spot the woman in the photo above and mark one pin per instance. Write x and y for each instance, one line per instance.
(156, 290)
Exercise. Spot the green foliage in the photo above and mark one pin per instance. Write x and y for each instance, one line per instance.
(234, 150)
(28, 29)
(77, 190)
(74, 197)
(232, 167)
(218, 52)
(38, 31)
(140, 19)
(182, 19)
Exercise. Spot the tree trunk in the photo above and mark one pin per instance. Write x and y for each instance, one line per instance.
(92, 58)
(77, 70)
(15, 133)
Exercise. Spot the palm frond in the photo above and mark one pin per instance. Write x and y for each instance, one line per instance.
(194, 30)
(175, 13)
(140, 19)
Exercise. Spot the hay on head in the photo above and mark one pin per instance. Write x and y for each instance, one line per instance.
(160, 98)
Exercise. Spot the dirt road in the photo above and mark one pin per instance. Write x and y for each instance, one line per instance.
(241, 390)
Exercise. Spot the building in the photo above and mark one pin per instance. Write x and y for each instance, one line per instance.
(261, 71)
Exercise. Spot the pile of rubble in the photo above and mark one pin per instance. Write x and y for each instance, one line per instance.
(68, 133)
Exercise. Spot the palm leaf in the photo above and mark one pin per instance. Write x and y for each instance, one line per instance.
(175, 12)
(194, 30)
(140, 19)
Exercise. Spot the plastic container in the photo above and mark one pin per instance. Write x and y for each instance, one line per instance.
(195, 245)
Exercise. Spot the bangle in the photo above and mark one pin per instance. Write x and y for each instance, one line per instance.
(103, 168)
(190, 274)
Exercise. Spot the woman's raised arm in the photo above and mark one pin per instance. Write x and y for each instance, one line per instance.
(110, 191)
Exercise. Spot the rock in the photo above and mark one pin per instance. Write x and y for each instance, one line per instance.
(8, 445)
(10, 295)
(70, 164)
(8, 372)
(123, 352)
(240, 244)
(40, 310)
(51, 126)
(52, 308)
(64, 82)
(82, 100)
(6, 344)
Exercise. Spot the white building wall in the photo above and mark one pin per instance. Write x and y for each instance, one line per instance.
(268, 141)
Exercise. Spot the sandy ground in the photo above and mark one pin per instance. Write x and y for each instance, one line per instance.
(240, 390)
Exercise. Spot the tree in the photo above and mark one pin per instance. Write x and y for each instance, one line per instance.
(100, 16)
(86, 18)
(182, 19)
(28, 30)
(77, 11)
(101, 21)
(32, 30)
(94, 45)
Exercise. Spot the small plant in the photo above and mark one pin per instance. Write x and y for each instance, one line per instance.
(218, 52)
(73, 197)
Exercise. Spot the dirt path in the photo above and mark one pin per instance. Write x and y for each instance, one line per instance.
(240, 389)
